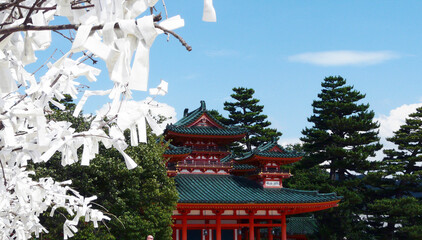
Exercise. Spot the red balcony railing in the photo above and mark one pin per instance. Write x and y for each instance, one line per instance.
(202, 164)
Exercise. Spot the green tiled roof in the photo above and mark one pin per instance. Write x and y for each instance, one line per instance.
(200, 188)
(238, 166)
(181, 125)
(227, 158)
(173, 150)
(195, 114)
(206, 130)
(301, 225)
(263, 150)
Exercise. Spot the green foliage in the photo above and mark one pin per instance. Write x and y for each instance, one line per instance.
(343, 136)
(344, 133)
(139, 201)
(218, 116)
(395, 213)
(245, 112)
(396, 218)
(334, 223)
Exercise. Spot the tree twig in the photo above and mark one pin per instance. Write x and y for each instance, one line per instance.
(181, 40)
(55, 80)
(4, 175)
(51, 56)
(31, 10)
(39, 8)
(7, 31)
(61, 34)
(165, 9)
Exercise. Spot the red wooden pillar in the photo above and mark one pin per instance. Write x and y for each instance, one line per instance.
(185, 228)
(251, 225)
(218, 221)
(184, 224)
(270, 231)
(283, 227)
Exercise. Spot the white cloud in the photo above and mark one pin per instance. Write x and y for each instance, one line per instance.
(221, 53)
(190, 76)
(391, 123)
(341, 58)
(395, 119)
(287, 141)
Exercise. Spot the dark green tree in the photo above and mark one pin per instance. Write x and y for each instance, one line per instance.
(245, 112)
(218, 116)
(341, 139)
(344, 133)
(139, 201)
(396, 213)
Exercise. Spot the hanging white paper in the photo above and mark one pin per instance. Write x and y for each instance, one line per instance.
(209, 12)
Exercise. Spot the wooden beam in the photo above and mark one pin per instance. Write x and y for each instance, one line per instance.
(227, 217)
(228, 225)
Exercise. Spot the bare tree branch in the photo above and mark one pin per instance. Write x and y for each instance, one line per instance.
(181, 40)
(28, 15)
(4, 175)
(51, 56)
(7, 31)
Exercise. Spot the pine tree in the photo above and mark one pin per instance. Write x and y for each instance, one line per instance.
(396, 213)
(342, 138)
(245, 112)
(344, 133)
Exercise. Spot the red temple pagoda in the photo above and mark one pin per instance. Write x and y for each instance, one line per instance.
(223, 196)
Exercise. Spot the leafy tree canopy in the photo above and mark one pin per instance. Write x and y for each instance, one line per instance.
(139, 201)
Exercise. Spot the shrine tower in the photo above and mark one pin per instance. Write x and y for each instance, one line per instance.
(225, 196)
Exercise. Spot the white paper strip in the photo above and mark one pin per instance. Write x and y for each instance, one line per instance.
(7, 83)
(142, 130)
(130, 164)
(85, 97)
(209, 12)
(98, 48)
(162, 89)
(147, 29)
(173, 23)
(108, 33)
(41, 38)
(156, 129)
(81, 37)
(133, 135)
(55, 146)
(140, 69)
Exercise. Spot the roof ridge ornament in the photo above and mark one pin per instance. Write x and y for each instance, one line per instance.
(203, 106)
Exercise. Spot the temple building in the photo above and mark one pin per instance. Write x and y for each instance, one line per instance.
(233, 197)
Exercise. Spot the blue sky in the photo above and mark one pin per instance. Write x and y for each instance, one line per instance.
(284, 49)
(256, 45)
